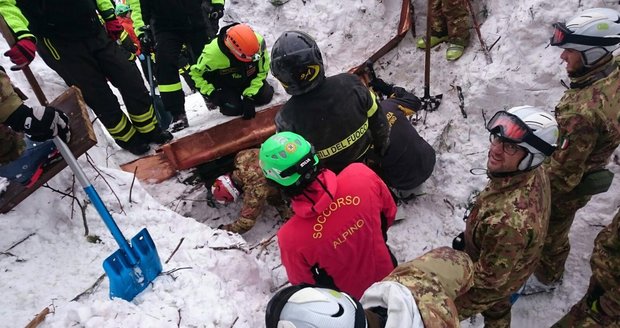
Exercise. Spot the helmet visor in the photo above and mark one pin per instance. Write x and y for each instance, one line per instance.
(562, 36)
(303, 166)
(511, 128)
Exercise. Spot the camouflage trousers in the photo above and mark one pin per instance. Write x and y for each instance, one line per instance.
(494, 307)
(557, 246)
(450, 17)
(435, 280)
(582, 316)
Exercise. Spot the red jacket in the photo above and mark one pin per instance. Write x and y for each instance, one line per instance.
(343, 234)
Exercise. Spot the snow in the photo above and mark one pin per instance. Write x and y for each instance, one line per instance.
(224, 279)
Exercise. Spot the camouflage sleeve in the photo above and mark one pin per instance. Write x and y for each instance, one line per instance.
(254, 199)
(568, 164)
(500, 248)
(9, 100)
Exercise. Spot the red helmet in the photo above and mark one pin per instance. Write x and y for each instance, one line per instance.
(242, 43)
(224, 190)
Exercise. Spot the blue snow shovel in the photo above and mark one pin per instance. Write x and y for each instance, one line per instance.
(130, 268)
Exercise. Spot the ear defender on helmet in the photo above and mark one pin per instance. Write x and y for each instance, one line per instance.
(309, 306)
(297, 63)
(243, 43)
(224, 190)
(595, 33)
(288, 159)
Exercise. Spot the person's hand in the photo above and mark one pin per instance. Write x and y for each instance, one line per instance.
(249, 108)
(22, 53)
(114, 29)
(147, 44)
(41, 123)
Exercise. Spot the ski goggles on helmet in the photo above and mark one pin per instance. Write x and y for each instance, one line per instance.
(511, 128)
(304, 165)
(562, 35)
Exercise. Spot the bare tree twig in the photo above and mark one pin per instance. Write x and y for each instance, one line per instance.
(19, 242)
(179, 321)
(92, 164)
(177, 269)
(39, 318)
(132, 181)
(175, 250)
(90, 289)
(228, 248)
(234, 322)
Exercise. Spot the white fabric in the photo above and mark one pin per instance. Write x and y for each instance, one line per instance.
(401, 307)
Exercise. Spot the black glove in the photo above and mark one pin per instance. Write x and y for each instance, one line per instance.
(381, 86)
(249, 108)
(41, 123)
(216, 97)
(213, 11)
(147, 42)
(458, 242)
(381, 147)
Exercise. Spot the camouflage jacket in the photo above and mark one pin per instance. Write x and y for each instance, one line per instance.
(11, 142)
(589, 122)
(605, 264)
(256, 192)
(504, 235)
(434, 280)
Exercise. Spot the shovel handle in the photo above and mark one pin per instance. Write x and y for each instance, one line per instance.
(95, 199)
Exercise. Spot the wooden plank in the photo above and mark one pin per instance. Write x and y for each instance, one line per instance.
(202, 147)
(82, 139)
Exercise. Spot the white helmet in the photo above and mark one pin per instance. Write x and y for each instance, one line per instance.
(529, 127)
(594, 32)
(306, 306)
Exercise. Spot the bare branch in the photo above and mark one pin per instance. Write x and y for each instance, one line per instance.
(175, 250)
(90, 289)
(39, 318)
(19, 242)
(92, 164)
(132, 181)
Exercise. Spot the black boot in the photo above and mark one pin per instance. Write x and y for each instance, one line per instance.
(158, 136)
(136, 145)
(179, 122)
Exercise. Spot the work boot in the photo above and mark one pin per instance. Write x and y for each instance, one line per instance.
(454, 52)
(534, 286)
(136, 145)
(158, 136)
(179, 122)
(435, 40)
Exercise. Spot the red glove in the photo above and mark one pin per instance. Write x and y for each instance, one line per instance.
(22, 53)
(114, 29)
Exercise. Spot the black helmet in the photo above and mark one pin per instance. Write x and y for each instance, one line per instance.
(297, 63)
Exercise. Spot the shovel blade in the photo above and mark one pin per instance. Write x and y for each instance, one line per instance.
(127, 280)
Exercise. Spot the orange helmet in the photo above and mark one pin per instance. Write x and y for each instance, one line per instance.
(243, 43)
(224, 190)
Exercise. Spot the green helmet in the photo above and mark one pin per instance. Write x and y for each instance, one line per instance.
(121, 9)
(288, 159)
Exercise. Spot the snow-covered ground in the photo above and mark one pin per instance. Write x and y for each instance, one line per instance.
(218, 279)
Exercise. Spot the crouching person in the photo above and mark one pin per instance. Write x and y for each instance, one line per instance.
(248, 181)
(419, 293)
(337, 236)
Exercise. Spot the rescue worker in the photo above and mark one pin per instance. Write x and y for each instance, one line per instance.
(231, 72)
(171, 26)
(589, 118)
(410, 160)
(337, 218)
(76, 45)
(419, 293)
(451, 23)
(505, 230)
(248, 181)
(337, 114)
(40, 123)
(600, 306)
